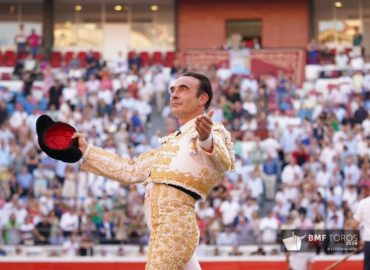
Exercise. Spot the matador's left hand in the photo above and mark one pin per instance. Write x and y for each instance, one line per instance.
(203, 125)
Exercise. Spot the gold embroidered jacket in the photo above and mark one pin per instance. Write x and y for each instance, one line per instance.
(180, 160)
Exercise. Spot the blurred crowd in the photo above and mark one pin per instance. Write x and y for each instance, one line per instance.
(302, 153)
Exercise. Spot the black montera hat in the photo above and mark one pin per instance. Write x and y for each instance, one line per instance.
(55, 139)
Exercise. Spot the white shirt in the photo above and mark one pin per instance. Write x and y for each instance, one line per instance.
(70, 248)
(269, 227)
(227, 239)
(111, 187)
(271, 146)
(46, 204)
(18, 119)
(327, 155)
(20, 215)
(362, 216)
(248, 85)
(255, 185)
(229, 211)
(93, 85)
(351, 174)
(291, 174)
(350, 196)
(70, 93)
(322, 178)
(224, 73)
(106, 95)
(341, 60)
(250, 107)
(69, 222)
(248, 210)
(366, 81)
(160, 82)
(366, 126)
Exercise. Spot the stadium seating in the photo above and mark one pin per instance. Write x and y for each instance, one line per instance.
(10, 58)
(157, 58)
(145, 58)
(56, 59)
(82, 57)
(68, 57)
(170, 58)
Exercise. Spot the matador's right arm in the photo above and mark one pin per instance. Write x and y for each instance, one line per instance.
(127, 171)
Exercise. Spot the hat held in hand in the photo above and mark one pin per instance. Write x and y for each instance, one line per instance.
(55, 139)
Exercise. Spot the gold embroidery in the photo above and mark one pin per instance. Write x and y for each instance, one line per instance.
(163, 160)
(165, 139)
(202, 184)
(113, 166)
(170, 147)
(175, 234)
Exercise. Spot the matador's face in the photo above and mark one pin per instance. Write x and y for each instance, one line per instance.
(184, 101)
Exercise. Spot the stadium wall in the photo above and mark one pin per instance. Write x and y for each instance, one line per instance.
(202, 24)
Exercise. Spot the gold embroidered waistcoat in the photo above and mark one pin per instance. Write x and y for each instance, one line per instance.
(180, 160)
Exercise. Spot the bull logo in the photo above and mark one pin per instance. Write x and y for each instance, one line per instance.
(293, 243)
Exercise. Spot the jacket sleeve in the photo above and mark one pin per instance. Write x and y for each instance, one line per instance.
(221, 158)
(127, 171)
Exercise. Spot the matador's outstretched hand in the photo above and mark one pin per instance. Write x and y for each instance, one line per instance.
(203, 125)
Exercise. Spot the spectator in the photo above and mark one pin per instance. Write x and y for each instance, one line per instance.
(34, 42)
(27, 232)
(106, 229)
(300, 154)
(12, 236)
(71, 246)
(55, 94)
(351, 172)
(2, 251)
(313, 52)
(40, 183)
(18, 118)
(134, 61)
(86, 246)
(69, 191)
(21, 41)
(292, 177)
(120, 230)
(341, 60)
(235, 251)
(228, 237)
(160, 86)
(25, 180)
(74, 62)
(4, 155)
(229, 209)
(30, 65)
(357, 42)
(303, 222)
(255, 185)
(245, 232)
(121, 251)
(32, 160)
(269, 228)
(360, 114)
(57, 238)
(271, 172)
(42, 231)
(3, 113)
(69, 222)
